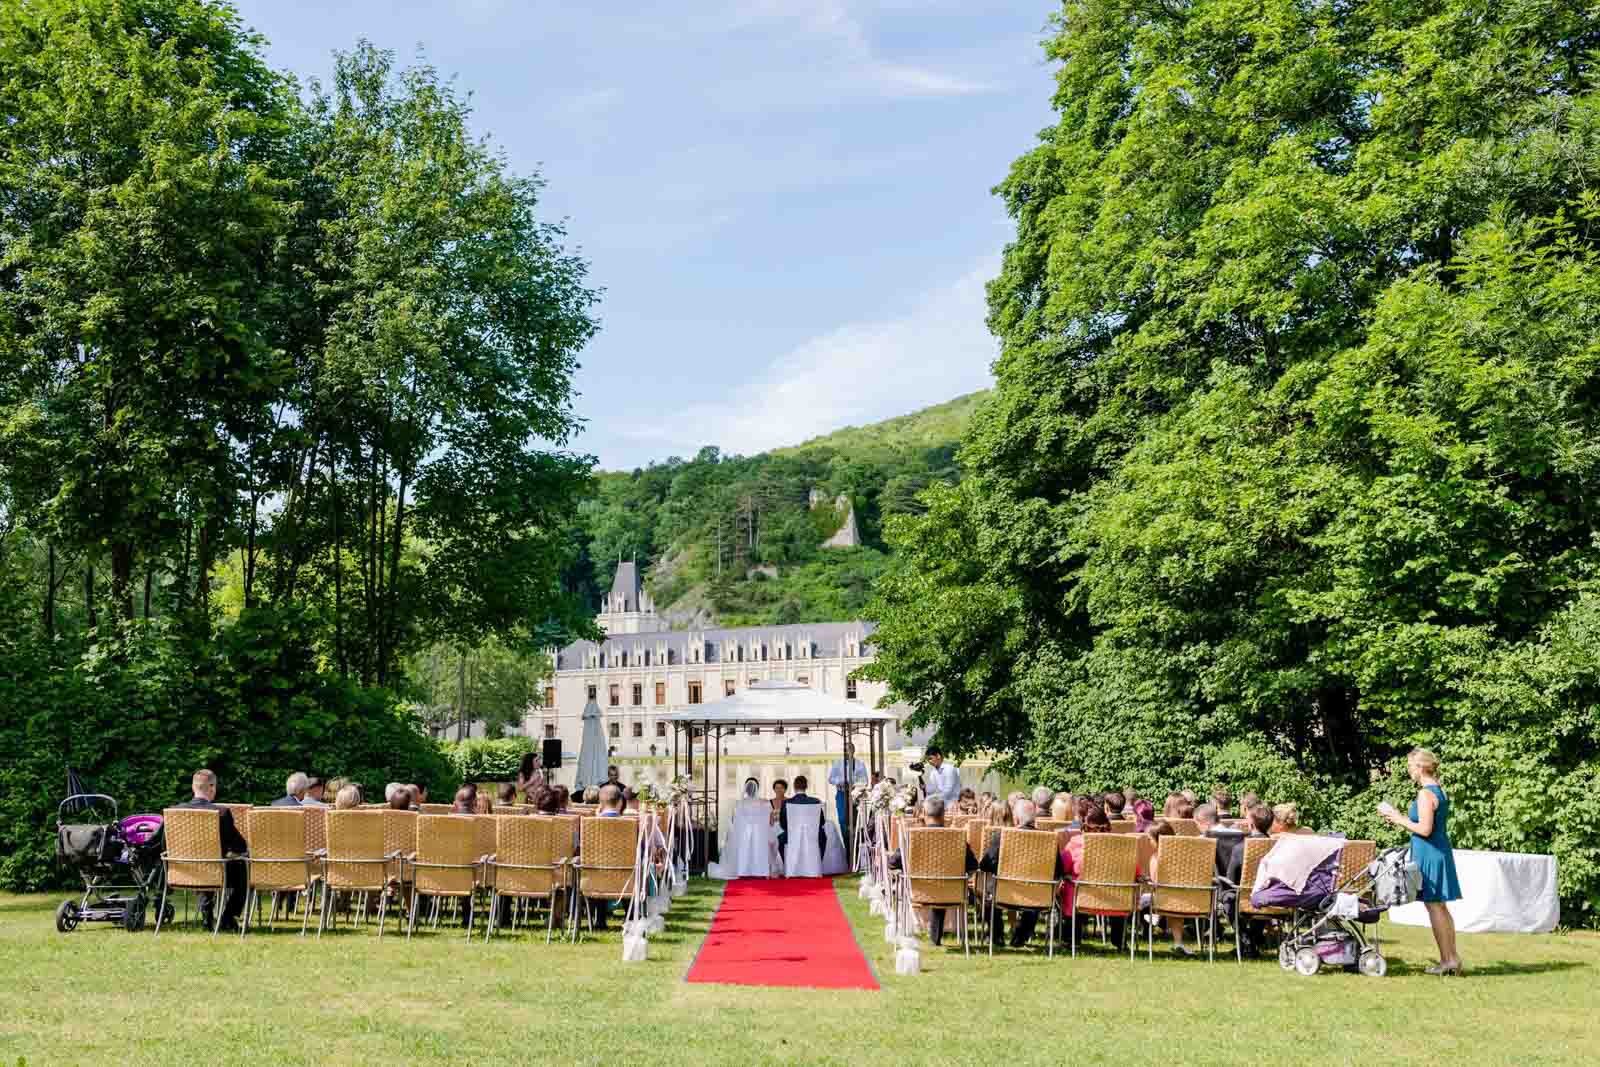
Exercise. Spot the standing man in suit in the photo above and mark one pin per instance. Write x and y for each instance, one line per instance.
(801, 797)
(204, 787)
(294, 791)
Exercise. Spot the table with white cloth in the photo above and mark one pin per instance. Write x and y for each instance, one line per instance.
(1501, 892)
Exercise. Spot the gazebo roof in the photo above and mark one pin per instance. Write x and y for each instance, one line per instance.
(778, 703)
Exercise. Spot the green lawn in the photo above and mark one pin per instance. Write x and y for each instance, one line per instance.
(102, 996)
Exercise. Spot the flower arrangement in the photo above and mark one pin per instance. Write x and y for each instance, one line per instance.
(678, 790)
(881, 795)
(648, 793)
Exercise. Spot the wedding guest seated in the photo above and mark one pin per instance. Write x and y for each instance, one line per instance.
(203, 790)
(1228, 839)
(347, 798)
(1072, 868)
(563, 798)
(399, 799)
(547, 801)
(466, 802)
(335, 786)
(1246, 802)
(1221, 801)
(1082, 806)
(294, 791)
(967, 803)
(933, 815)
(1111, 803)
(483, 805)
(419, 796)
(1259, 818)
(1144, 815)
(1161, 829)
(1169, 807)
(1062, 807)
(1024, 815)
(1129, 796)
(1191, 798)
(1286, 819)
(1043, 796)
(611, 802)
(506, 794)
(313, 796)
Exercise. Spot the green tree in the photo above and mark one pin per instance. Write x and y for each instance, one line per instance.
(1289, 457)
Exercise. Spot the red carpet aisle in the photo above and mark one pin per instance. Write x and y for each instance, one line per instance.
(782, 932)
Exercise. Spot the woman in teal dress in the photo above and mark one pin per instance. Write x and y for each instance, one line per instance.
(1430, 850)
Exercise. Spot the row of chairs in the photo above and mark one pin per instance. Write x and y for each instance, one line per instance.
(407, 856)
(1113, 883)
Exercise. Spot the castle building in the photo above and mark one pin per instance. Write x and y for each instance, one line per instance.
(643, 670)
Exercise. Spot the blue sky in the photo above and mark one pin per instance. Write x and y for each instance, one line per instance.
(787, 203)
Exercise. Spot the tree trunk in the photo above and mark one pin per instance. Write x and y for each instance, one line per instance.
(149, 580)
(122, 578)
(88, 595)
(461, 698)
(50, 592)
(338, 568)
(183, 574)
(387, 645)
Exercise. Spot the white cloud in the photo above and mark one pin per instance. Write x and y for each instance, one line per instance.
(855, 373)
(862, 65)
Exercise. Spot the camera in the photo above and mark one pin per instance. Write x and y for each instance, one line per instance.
(916, 766)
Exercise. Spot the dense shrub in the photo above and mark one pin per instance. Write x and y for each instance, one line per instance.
(487, 759)
(138, 717)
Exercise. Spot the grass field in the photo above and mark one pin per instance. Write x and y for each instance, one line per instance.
(102, 996)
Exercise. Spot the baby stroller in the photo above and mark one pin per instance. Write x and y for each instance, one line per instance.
(119, 860)
(1330, 919)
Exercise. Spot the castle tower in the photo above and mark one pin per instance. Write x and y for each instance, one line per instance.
(627, 608)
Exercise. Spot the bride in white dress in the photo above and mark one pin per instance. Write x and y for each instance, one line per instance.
(750, 837)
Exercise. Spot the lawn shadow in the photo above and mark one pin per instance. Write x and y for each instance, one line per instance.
(1498, 969)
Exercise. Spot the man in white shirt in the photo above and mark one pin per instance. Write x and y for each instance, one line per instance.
(941, 779)
(842, 788)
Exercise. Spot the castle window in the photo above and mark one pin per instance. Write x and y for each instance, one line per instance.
(550, 730)
(638, 729)
(661, 693)
(755, 731)
(638, 694)
(849, 688)
(661, 729)
(616, 731)
(803, 679)
(647, 657)
(592, 691)
(763, 653)
(549, 696)
(740, 653)
(616, 695)
(694, 692)
(727, 687)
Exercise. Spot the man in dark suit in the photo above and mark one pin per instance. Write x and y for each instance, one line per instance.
(933, 815)
(1230, 842)
(294, 791)
(801, 797)
(204, 787)
(1026, 811)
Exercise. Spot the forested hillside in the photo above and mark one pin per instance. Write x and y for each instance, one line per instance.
(735, 539)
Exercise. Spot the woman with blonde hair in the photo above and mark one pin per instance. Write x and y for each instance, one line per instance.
(1286, 819)
(348, 797)
(1432, 853)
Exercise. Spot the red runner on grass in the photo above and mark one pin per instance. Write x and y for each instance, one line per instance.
(782, 932)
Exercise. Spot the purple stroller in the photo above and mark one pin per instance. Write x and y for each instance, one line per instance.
(1330, 918)
(119, 860)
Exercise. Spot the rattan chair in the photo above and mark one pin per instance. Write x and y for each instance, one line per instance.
(1255, 848)
(434, 809)
(356, 862)
(526, 867)
(193, 860)
(1185, 827)
(605, 863)
(1186, 887)
(1123, 826)
(485, 836)
(446, 865)
(1050, 824)
(1108, 883)
(936, 872)
(1354, 858)
(279, 862)
(1026, 876)
(399, 841)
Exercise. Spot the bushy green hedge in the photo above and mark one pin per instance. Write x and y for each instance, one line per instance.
(487, 759)
(138, 716)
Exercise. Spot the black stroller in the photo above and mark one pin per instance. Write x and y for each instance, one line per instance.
(119, 860)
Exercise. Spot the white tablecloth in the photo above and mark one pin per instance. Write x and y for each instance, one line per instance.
(1501, 892)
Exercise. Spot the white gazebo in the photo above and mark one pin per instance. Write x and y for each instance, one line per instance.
(765, 704)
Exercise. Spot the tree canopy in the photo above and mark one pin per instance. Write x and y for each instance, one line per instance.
(1290, 459)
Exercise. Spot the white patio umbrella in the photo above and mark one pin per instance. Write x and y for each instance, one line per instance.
(592, 755)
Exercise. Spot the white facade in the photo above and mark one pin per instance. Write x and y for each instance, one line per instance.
(643, 670)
